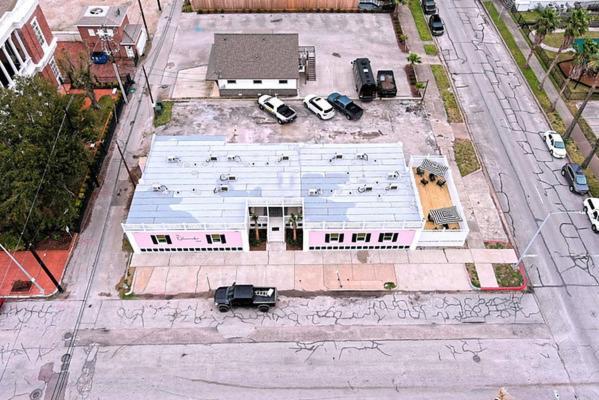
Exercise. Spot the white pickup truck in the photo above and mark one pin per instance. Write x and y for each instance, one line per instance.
(282, 112)
(591, 209)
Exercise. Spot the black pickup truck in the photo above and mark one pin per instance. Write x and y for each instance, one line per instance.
(345, 106)
(227, 297)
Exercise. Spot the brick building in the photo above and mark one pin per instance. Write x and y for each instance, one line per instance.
(26, 43)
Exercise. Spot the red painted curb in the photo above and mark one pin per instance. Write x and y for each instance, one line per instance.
(511, 288)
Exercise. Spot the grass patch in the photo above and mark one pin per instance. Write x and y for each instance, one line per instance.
(186, 7)
(420, 20)
(389, 285)
(126, 246)
(431, 49)
(555, 39)
(449, 100)
(165, 116)
(471, 268)
(529, 17)
(465, 156)
(507, 276)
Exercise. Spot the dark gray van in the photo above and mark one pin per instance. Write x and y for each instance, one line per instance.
(365, 82)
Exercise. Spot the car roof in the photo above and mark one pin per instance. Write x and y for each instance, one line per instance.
(321, 101)
(275, 101)
(576, 168)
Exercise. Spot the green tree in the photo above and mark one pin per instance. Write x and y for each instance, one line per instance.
(592, 70)
(579, 64)
(254, 218)
(42, 157)
(547, 23)
(79, 74)
(293, 220)
(577, 24)
(413, 59)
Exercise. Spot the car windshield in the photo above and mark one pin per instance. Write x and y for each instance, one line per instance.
(581, 179)
(558, 144)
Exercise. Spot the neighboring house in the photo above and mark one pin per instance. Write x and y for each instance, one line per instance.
(198, 193)
(26, 43)
(525, 5)
(255, 64)
(107, 29)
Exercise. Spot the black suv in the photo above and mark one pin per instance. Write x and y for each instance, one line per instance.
(575, 177)
(436, 25)
(429, 7)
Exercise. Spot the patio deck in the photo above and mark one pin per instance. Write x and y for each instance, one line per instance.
(433, 196)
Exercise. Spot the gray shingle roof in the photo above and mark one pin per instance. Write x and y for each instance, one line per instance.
(254, 56)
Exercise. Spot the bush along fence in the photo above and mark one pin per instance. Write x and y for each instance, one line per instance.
(91, 180)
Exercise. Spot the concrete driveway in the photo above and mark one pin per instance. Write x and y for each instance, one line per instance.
(384, 121)
(338, 38)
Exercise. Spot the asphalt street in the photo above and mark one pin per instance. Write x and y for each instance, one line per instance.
(88, 345)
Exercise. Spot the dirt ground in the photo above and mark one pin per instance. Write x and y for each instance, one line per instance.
(63, 14)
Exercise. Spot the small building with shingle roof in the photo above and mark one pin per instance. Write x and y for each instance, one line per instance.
(254, 64)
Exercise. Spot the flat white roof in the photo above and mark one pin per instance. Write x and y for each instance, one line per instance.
(180, 182)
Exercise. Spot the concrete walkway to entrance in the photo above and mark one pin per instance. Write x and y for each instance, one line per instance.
(368, 270)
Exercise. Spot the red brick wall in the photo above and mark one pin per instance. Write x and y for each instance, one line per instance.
(48, 75)
(93, 42)
(34, 49)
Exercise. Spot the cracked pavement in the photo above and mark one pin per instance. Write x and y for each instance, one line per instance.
(506, 124)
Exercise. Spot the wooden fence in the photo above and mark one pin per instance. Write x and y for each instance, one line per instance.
(274, 5)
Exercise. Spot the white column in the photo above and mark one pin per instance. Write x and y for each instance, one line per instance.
(12, 65)
(10, 81)
(21, 45)
(14, 49)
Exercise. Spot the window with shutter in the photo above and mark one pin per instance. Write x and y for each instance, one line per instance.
(209, 239)
(223, 240)
(154, 240)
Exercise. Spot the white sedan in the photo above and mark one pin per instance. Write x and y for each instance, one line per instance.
(555, 144)
(319, 106)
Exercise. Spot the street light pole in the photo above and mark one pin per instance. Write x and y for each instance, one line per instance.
(539, 231)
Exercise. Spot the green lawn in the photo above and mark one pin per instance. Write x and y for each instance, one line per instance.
(555, 120)
(431, 49)
(420, 20)
(471, 268)
(529, 16)
(465, 156)
(507, 276)
(449, 99)
(556, 39)
(165, 116)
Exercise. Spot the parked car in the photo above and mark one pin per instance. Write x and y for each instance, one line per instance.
(227, 297)
(99, 57)
(386, 83)
(436, 25)
(429, 7)
(364, 79)
(555, 144)
(591, 208)
(282, 112)
(577, 181)
(345, 106)
(319, 106)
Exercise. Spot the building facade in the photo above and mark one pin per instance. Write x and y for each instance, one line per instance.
(254, 64)
(202, 194)
(27, 44)
(526, 5)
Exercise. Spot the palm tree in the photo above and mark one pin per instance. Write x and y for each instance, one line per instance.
(577, 25)
(592, 69)
(293, 220)
(547, 23)
(414, 58)
(579, 63)
(254, 218)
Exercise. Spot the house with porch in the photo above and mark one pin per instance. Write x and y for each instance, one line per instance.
(26, 43)
(199, 193)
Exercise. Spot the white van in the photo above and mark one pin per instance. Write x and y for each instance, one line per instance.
(591, 209)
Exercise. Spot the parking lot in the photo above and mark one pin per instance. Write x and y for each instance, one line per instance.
(338, 39)
(384, 121)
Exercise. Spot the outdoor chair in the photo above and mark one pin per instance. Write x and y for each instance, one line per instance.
(424, 181)
(432, 177)
(441, 182)
(419, 171)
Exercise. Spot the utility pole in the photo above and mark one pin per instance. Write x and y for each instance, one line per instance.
(143, 68)
(105, 39)
(23, 270)
(131, 177)
(45, 268)
(143, 17)
(159, 7)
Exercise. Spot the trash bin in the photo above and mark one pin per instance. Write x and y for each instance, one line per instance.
(158, 108)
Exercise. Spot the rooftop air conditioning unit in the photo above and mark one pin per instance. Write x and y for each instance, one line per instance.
(233, 157)
(221, 188)
(365, 188)
(391, 186)
(283, 157)
(362, 156)
(157, 187)
(212, 158)
(173, 159)
(393, 175)
(227, 177)
(338, 156)
(314, 192)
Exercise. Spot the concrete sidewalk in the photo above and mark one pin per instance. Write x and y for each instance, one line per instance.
(420, 270)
